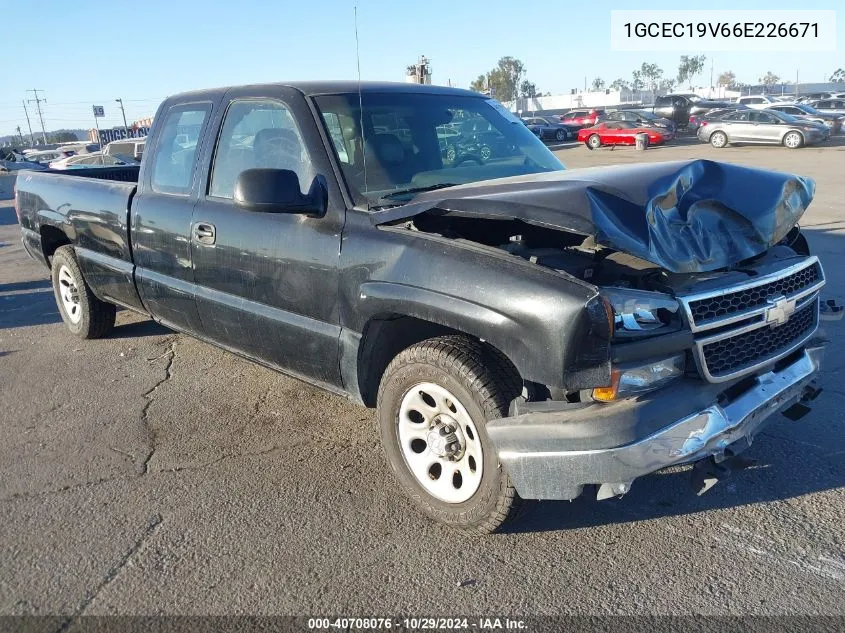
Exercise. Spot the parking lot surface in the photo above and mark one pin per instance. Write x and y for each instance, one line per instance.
(150, 473)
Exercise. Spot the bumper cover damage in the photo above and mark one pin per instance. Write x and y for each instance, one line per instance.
(543, 464)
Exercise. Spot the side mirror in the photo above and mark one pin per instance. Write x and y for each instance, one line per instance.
(277, 191)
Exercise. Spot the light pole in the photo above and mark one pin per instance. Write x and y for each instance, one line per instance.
(125, 127)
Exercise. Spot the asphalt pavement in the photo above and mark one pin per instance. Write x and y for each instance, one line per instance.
(150, 473)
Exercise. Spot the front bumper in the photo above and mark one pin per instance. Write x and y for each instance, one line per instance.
(547, 461)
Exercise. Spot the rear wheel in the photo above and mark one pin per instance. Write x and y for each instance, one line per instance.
(594, 142)
(718, 139)
(560, 135)
(793, 140)
(83, 313)
(433, 404)
(486, 153)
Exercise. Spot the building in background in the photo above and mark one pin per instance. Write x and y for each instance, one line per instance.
(419, 73)
(139, 129)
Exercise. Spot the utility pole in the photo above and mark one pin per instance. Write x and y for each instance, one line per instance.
(18, 129)
(40, 116)
(797, 89)
(125, 127)
(31, 135)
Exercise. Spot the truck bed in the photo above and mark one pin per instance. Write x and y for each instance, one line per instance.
(88, 208)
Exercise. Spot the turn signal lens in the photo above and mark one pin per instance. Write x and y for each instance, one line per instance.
(608, 394)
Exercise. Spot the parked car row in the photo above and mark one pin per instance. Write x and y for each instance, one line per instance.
(769, 126)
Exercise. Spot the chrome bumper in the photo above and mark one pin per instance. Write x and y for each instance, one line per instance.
(542, 468)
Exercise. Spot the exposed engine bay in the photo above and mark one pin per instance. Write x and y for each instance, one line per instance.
(582, 258)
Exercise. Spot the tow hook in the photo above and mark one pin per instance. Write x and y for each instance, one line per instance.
(709, 471)
(830, 310)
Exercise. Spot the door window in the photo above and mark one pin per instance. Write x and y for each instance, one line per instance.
(257, 134)
(177, 149)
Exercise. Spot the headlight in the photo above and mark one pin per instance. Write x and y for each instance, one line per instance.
(638, 313)
(632, 380)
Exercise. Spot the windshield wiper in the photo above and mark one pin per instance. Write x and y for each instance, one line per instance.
(402, 192)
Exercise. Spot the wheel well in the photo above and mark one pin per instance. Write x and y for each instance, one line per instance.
(51, 239)
(383, 338)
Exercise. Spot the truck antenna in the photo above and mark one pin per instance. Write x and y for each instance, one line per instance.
(361, 105)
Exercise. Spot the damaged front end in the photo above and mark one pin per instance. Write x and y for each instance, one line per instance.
(704, 323)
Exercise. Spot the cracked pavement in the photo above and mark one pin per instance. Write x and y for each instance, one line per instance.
(150, 473)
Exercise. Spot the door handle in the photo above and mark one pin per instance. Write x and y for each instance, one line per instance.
(204, 233)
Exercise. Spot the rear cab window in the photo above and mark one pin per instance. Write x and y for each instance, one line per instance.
(176, 152)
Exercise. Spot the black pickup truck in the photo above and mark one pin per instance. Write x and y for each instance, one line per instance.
(680, 107)
(524, 332)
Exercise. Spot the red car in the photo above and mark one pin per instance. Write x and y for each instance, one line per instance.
(582, 118)
(618, 133)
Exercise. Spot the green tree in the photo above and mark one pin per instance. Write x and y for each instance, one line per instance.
(480, 84)
(503, 81)
(690, 66)
(62, 137)
(619, 84)
(636, 80)
(769, 79)
(651, 75)
(727, 79)
(528, 89)
(667, 85)
(838, 76)
(598, 84)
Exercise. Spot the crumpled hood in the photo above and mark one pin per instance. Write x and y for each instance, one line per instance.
(685, 216)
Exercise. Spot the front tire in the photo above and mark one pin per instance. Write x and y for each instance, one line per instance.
(594, 142)
(793, 140)
(83, 313)
(433, 404)
(560, 135)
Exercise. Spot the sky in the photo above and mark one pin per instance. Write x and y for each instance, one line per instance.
(88, 52)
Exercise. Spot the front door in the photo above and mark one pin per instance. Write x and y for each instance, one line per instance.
(267, 283)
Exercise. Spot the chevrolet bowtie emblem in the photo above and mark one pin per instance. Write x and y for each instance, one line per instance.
(779, 311)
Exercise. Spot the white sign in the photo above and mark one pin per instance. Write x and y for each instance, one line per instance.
(706, 31)
(99, 111)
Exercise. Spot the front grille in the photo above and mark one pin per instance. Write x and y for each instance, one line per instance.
(741, 328)
(726, 305)
(731, 355)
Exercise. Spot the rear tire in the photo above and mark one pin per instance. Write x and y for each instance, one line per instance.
(718, 139)
(793, 140)
(83, 313)
(448, 387)
(594, 141)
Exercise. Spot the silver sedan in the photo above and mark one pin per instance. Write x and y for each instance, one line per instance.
(762, 126)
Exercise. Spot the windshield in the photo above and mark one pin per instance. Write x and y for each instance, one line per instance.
(783, 116)
(807, 109)
(414, 142)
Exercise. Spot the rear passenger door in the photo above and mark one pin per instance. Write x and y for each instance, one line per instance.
(267, 283)
(161, 216)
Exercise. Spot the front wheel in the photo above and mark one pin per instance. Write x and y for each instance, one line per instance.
(719, 139)
(486, 153)
(560, 135)
(594, 142)
(793, 140)
(83, 313)
(433, 404)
